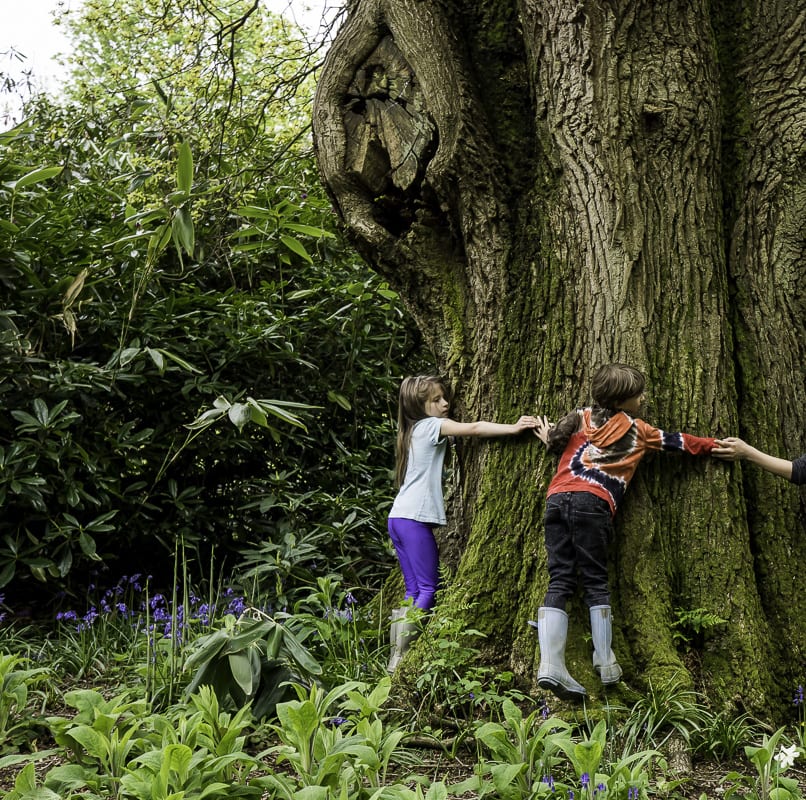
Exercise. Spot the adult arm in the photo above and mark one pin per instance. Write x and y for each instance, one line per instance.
(484, 429)
(732, 448)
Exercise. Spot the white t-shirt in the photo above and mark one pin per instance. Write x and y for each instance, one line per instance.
(420, 496)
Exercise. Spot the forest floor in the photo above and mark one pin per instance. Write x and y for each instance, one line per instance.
(706, 779)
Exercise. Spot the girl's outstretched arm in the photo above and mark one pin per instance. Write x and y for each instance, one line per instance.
(485, 429)
(732, 448)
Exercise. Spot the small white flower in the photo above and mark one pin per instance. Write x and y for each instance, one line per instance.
(786, 757)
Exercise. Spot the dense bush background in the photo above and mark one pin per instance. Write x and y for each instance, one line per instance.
(167, 256)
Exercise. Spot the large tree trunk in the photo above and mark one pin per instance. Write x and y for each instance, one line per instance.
(552, 185)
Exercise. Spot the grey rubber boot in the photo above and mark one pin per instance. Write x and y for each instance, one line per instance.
(552, 674)
(604, 660)
(408, 629)
(397, 615)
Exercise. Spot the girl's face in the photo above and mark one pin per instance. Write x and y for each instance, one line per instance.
(632, 405)
(436, 405)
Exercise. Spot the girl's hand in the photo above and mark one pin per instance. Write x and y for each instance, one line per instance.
(542, 429)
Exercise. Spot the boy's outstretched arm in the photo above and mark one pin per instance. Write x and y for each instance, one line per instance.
(732, 448)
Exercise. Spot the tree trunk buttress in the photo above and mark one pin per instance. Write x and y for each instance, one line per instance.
(545, 185)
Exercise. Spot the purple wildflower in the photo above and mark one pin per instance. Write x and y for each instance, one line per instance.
(798, 701)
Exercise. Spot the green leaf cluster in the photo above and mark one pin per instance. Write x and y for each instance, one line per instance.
(188, 350)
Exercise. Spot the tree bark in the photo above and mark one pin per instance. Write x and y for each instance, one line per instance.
(553, 185)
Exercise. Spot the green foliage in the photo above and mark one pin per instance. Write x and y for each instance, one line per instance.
(667, 709)
(250, 660)
(16, 723)
(452, 680)
(345, 635)
(692, 625)
(524, 749)
(769, 783)
(187, 349)
(724, 735)
(340, 752)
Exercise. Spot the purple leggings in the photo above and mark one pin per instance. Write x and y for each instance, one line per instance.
(417, 553)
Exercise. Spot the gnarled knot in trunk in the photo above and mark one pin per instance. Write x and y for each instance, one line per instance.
(390, 136)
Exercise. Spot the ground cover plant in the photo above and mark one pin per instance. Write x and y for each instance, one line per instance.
(336, 727)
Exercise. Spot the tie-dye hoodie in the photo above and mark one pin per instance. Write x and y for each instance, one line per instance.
(602, 460)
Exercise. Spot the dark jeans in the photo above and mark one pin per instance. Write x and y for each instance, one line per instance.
(578, 526)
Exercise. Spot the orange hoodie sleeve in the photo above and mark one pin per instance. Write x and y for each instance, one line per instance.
(657, 439)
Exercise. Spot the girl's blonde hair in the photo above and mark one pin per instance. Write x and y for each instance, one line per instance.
(612, 384)
(414, 394)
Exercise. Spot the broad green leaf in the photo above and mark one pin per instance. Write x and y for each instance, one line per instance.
(178, 758)
(241, 667)
(88, 546)
(239, 414)
(41, 411)
(128, 355)
(157, 358)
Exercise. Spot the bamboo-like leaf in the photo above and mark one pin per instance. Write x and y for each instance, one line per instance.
(36, 176)
(75, 289)
(181, 361)
(184, 231)
(308, 230)
(339, 399)
(296, 246)
(184, 168)
(255, 212)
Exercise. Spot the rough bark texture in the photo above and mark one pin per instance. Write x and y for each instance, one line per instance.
(552, 185)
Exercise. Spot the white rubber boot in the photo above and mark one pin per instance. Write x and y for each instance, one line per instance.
(408, 629)
(552, 674)
(394, 657)
(604, 660)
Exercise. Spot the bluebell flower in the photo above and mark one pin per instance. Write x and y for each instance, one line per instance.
(549, 781)
(335, 722)
(798, 701)
(350, 599)
(585, 780)
(236, 606)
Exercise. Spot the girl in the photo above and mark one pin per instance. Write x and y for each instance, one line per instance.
(423, 425)
(599, 448)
